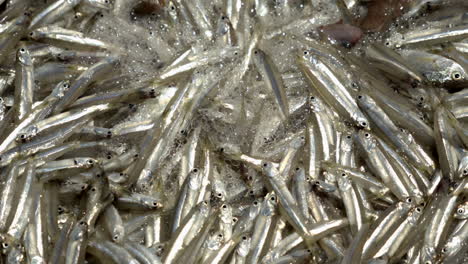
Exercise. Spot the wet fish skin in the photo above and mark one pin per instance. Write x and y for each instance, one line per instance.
(324, 80)
(272, 78)
(24, 82)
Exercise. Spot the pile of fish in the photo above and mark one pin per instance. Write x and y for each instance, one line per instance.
(234, 131)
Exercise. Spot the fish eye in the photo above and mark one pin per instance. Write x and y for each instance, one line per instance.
(428, 262)
(359, 97)
(409, 200)
(444, 250)
(297, 168)
(220, 235)
(82, 223)
(367, 135)
(172, 7)
(224, 206)
(255, 52)
(312, 98)
(306, 52)
(348, 137)
(106, 1)
(31, 34)
(460, 210)
(83, 187)
(195, 170)
(93, 189)
(234, 219)
(116, 237)
(456, 75)
(265, 165)
(244, 238)
(317, 183)
(343, 174)
(255, 203)
(22, 50)
(155, 204)
(5, 245)
(90, 161)
(418, 210)
(220, 195)
(272, 198)
(363, 124)
(465, 172)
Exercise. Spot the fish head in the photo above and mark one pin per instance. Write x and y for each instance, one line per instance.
(414, 215)
(316, 104)
(36, 34)
(269, 169)
(346, 142)
(61, 88)
(259, 54)
(269, 204)
(365, 140)
(28, 133)
(80, 231)
(452, 247)
(243, 248)
(324, 186)
(226, 213)
(205, 207)
(428, 255)
(171, 10)
(194, 179)
(151, 202)
(103, 4)
(118, 233)
(361, 121)
(462, 211)
(344, 182)
(365, 101)
(457, 74)
(24, 56)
